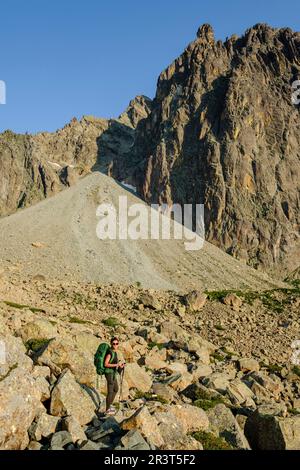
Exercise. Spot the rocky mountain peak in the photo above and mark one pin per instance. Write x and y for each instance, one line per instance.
(223, 132)
(206, 33)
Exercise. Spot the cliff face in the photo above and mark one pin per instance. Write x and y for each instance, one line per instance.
(224, 132)
(33, 167)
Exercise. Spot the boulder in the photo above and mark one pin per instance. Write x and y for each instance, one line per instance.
(222, 420)
(175, 334)
(60, 439)
(33, 445)
(61, 353)
(195, 300)
(164, 391)
(266, 430)
(137, 377)
(14, 354)
(182, 381)
(271, 383)
(201, 372)
(44, 426)
(156, 358)
(173, 432)
(218, 381)
(126, 351)
(148, 300)
(233, 301)
(248, 365)
(38, 329)
(239, 393)
(201, 348)
(86, 343)
(191, 417)
(19, 406)
(74, 428)
(68, 398)
(133, 440)
(146, 424)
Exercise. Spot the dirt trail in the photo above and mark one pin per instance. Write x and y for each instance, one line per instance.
(57, 238)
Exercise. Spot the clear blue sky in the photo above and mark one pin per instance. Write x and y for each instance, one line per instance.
(65, 58)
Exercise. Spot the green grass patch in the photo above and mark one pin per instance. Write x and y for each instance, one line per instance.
(152, 345)
(208, 404)
(274, 299)
(22, 307)
(211, 442)
(228, 354)
(78, 298)
(296, 370)
(217, 356)
(36, 344)
(220, 328)
(77, 320)
(111, 322)
(271, 368)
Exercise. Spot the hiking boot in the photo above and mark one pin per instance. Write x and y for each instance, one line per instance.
(110, 412)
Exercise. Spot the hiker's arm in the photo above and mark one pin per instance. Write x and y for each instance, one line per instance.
(107, 364)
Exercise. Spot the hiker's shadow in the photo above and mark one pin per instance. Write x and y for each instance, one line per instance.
(94, 395)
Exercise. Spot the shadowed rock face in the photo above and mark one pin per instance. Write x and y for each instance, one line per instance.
(33, 167)
(224, 132)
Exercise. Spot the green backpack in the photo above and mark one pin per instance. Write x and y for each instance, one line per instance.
(99, 359)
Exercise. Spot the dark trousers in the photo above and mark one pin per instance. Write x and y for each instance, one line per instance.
(112, 389)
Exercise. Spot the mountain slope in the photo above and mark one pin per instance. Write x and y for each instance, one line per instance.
(57, 238)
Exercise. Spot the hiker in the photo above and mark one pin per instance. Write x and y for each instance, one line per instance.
(107, 363)
(112, 367)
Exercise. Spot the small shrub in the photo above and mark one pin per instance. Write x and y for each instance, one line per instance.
(217, 356)
(296, 370)
(220, 328)
(77, 320)
(271, 368)
(208, 404)
(21, 307)
(36, 344)
(111, 322)
(152, 345)
(211, 442)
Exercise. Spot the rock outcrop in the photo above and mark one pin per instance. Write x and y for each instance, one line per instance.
(223, 132)
(33, 167)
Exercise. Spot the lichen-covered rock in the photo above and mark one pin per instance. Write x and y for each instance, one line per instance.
(222, 420)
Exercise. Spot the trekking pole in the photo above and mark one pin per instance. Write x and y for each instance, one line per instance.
(121, 384)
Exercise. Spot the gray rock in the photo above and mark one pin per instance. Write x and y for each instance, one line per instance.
(267, 430)
(222, 420)
(133, 440)
(61, 439)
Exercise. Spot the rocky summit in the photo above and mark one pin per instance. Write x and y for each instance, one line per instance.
(223, 132)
